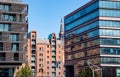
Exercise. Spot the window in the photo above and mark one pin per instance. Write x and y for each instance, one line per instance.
(48, 73)
(5, 27)
(15, 47)
(47, 67)
(5, 7)
(47, 56)
(16, 56)
(47, 62)
(0, 36)
(1, 46)
(8, 17)
(41, 65)
(2, 56)
(59, 73)
(47, 46)
(14, 37)
(47, 51)
(40, 70)
(41, 48)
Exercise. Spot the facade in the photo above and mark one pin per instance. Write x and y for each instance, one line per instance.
(92, 34)
(45, 56)
(13, 29)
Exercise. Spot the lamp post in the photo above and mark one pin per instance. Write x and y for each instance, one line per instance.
(94, 68)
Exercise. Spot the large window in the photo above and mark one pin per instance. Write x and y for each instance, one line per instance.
(109, 4)
(5, 27)
(107, 23)
(8, 17)
(15, 47)
(14, 37)
(105, 32)
(110, 51)
(81, 13)
(110, 60)
(109, 13)
(82, 20)
(110, 41)
(5, 7)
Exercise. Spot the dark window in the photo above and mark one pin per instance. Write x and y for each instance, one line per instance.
(2, 56)
(0, 36)
(1, 46)
(16, 56)
(47, 46)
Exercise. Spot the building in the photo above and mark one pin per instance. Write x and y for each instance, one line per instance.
(13, 31)
(46, 56)
(92, 34)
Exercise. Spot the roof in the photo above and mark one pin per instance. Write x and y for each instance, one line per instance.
(13, 1)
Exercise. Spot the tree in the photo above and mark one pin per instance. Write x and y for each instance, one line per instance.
(24, 71)
(86, 73)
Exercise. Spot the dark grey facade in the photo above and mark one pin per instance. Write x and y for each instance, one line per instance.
(13, 30)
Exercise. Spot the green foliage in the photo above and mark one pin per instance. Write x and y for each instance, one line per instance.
(24, 71)
(86, 73)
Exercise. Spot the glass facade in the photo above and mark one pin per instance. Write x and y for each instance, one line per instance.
(102, 32)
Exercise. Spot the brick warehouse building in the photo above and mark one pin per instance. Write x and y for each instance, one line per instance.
(46, 56)
(92, 34)
(13, 30)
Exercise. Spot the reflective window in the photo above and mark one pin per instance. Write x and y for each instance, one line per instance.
(109, 23)
(109, 4)
(82, 12)
(110, 60)
(104, 32)
(108, 51)
(110, 41)
(82, 20)
(85, 28)
(109, 13)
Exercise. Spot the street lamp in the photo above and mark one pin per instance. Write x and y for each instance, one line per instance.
(94, 68)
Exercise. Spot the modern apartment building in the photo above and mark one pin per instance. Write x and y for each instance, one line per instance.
(46, 56)
(13, 31)
(92, 34)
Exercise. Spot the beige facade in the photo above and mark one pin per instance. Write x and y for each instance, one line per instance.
(45, 56)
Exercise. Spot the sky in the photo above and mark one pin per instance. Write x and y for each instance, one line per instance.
(45, 15)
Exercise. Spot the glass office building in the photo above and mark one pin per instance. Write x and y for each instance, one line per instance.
(92, 34)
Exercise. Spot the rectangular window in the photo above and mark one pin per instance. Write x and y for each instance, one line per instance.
(14, 37)
(8, 17)
(16, 56)
(5, 7)
(15, 47)
(5, 27)
(0, 36)
(2, 56)
(1, 46)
